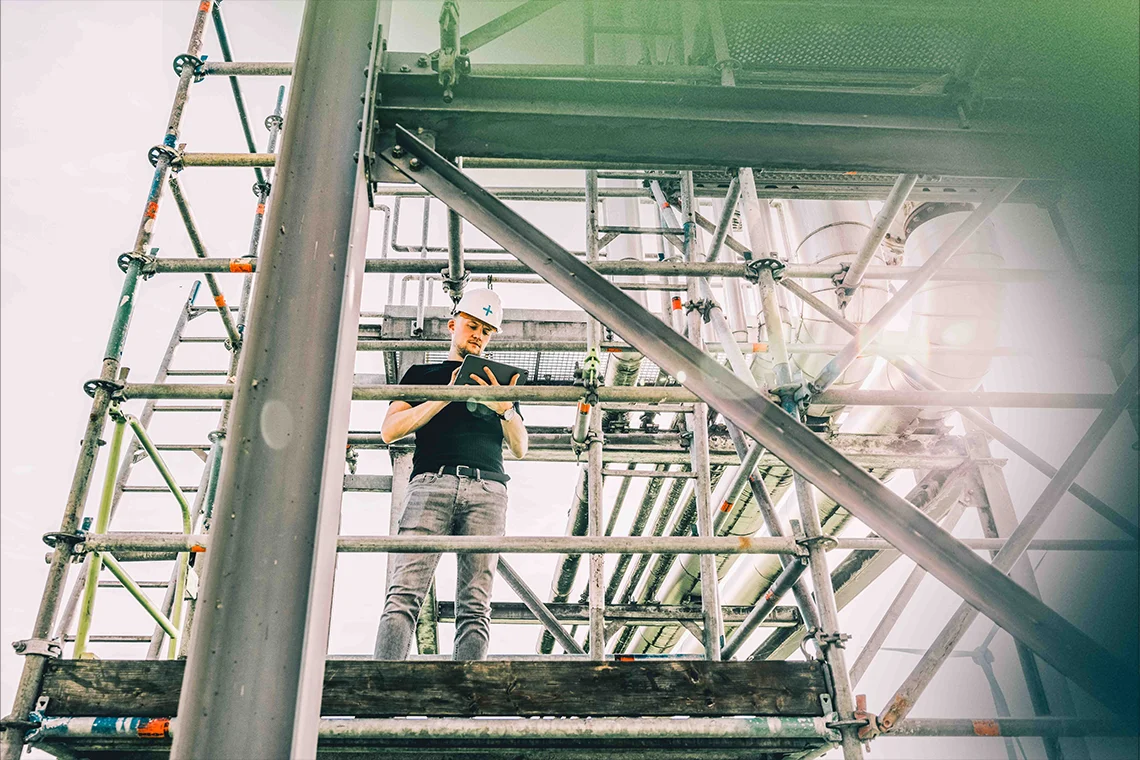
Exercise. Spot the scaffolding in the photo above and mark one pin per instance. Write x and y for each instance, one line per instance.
(766, 375)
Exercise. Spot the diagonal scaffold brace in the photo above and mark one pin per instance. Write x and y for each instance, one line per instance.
(984, 587)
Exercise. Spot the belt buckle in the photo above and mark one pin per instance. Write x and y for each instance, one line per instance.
(465, 471)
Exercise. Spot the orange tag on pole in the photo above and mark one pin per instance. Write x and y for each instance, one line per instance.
(151, 209)
(156, 728)
(676, 302)
(220, 300)
(238, 265)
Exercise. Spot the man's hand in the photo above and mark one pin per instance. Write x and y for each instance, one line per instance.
(498, 407)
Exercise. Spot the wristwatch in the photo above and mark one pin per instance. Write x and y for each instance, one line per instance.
(508, 415)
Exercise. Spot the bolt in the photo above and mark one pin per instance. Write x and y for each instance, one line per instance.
(422, 61)
(355, 156)
(415, 164)
(397, 151)
(359, 125)
(405, 69)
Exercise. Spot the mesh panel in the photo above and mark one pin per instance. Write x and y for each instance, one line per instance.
(765, 38)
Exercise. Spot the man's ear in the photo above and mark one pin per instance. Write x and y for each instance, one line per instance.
(451, 325)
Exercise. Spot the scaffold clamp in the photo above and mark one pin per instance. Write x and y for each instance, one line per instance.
(180, 62)
(43, 647)
(112, 387)
(148, 262)
(704, 306)
(172, 155)
(775, 266)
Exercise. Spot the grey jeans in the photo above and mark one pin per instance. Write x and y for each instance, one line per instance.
(437, 505)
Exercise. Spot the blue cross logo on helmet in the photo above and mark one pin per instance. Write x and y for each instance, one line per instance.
(487, 310)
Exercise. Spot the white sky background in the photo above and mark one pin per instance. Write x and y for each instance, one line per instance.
(86, 90)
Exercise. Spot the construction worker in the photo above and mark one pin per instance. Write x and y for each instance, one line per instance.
(457, 487)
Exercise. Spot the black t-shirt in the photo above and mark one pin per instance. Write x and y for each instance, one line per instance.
(466, 433)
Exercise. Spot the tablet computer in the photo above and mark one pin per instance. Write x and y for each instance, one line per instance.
(473, 364)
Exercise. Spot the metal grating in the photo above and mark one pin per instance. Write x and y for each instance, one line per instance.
(764, 38)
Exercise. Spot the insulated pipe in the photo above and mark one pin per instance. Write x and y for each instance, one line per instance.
(787, 578)
(936, 261)
(828, 233)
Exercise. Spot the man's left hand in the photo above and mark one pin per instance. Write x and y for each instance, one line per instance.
(498, 407)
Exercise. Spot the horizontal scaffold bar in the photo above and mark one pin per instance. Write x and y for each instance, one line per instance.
(175, 542)
(568, 394)
(657, 268)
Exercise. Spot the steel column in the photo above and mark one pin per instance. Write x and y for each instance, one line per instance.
(262, 612)
(994, 593)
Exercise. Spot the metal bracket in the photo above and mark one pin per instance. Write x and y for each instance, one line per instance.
(449, 61)
(826, 542)
(172, 155)
(148, 266)
(454, 286)
(180, 62)
(351, 457)
(773, 265)
(43, 647)
(704, 306)
(261, 189)
(112, 387)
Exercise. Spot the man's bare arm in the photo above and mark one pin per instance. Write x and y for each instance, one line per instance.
(514, 431)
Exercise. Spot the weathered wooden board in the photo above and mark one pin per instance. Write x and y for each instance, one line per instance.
(367, 688)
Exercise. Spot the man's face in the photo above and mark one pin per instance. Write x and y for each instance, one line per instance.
(469, 335)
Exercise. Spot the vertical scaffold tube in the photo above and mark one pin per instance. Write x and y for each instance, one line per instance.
(102, 522)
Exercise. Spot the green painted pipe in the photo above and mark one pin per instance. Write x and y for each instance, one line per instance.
(130, 585)
(102, 522)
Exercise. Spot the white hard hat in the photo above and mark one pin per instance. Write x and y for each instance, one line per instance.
(484, 305)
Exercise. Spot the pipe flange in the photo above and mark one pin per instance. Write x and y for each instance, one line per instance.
(180, 62)
(172, 155)
(932, 210)
(44, 647)
(273, 121)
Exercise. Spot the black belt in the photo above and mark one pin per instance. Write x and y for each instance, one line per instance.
(463, 471)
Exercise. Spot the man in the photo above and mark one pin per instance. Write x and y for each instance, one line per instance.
(457, 486)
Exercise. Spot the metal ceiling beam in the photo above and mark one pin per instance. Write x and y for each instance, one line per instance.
(986, 588)
(513, 115)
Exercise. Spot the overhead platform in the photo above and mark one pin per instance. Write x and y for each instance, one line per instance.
(624, 708)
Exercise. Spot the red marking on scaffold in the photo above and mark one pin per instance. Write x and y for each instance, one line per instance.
(768, 596)
(759, 348)
(151, 209)
(726, 506)
(197, 548)
(850, 174)
(624, 658)
(220, 300)
(583, 407)
(676, 303)
(614, 350)
(987, 728)
(205, 6)
(155, 728)
(745, 542)
(260, 209)
(239, 265)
